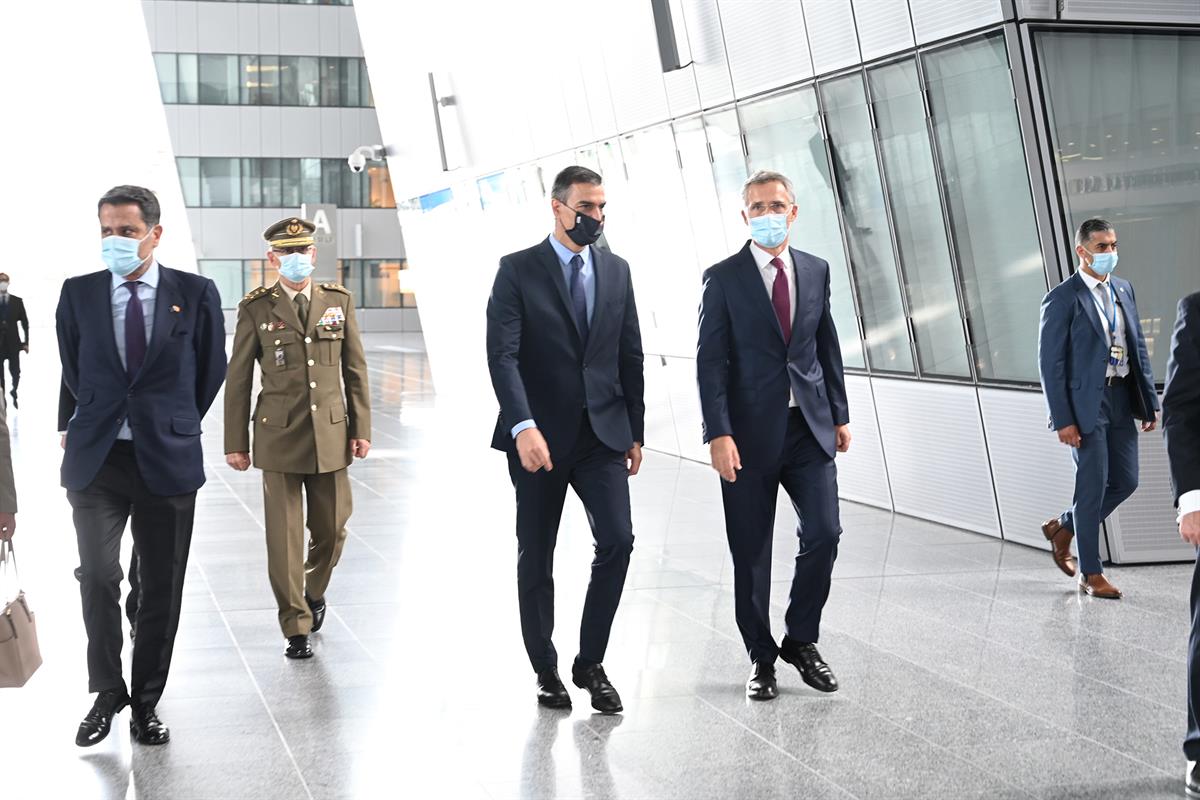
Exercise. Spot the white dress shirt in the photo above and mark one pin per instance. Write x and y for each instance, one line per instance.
(1098, 290)
(147, 292)
(765, 268)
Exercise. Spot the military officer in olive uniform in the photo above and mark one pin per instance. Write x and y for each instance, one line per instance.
(305, 340)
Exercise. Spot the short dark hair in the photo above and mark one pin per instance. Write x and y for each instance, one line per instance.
(143, 198)
(570, 176)
(1090, 226)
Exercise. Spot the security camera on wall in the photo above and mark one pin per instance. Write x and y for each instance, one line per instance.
(357, 160)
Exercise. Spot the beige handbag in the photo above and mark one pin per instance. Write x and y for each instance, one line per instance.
(19, 653)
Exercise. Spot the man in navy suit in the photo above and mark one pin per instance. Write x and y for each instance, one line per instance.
(1181, 429)
(773, 397)
(143, 356)
(1097, 379)
(565, 354)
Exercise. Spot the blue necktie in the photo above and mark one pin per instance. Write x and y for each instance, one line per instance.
(135, 331)
(578, 296)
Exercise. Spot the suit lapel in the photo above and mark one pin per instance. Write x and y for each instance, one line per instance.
(283, 309)
(102, 287)
(805, 288)
(168, 305)
(751, 280)
(550, 262)
(318, 301)
(1089, 305)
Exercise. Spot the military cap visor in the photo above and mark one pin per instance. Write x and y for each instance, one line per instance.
(290, 232)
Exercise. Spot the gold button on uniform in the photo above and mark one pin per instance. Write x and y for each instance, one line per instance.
(308, 340)
(277, 341)
(314, 406)
(312, 385)
(311, 362)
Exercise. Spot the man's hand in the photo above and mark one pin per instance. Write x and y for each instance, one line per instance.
(360, 447)
(239, 461)
(62, 442)
(1189, 528)
(8, 526)
(725, 458)
(533, 450)
(1070, 436)
(634, 456)
(843, 437)
(1150, 425)
(25, 348)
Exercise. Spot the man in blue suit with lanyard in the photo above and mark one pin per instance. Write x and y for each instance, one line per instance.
(1097, 379)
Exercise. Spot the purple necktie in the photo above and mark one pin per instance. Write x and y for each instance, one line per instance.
(135, 331)
(781, 299)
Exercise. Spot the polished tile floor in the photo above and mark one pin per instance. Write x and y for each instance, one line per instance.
(970, 668)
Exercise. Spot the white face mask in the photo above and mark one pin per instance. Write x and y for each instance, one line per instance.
(3, 286)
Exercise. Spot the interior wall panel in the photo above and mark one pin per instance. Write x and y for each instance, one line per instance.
(862, 473)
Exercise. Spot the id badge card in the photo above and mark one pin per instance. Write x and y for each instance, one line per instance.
(1116, 356)
(280, 361)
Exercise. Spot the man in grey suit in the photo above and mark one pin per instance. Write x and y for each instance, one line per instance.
(1097, 379)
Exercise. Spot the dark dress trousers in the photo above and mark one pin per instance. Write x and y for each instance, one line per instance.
(1181, 428)
(747, 375)
(1073, 360)
(586, 397)
(12, 314)
(152, 478)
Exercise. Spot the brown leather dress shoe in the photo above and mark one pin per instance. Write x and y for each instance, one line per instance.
(1098, 586)
(1060, 539)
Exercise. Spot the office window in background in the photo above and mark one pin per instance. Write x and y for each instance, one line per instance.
(783, 134)
(865, 220)
(917, 218)
(220, 183)
(227, 275)
(263, 80)
(1124, 111)
(219, 79)
(282, 183)
(375, 283)
(729, 173)
(986, 182)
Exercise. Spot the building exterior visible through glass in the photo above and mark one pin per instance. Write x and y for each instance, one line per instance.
(263, 80)
(1124, 111)
(282, 183)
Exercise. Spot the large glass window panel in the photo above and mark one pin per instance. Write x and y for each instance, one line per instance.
(381, 287)
(991, 210)
(268, 80)
(189, 78)
(729, 173)
(220, 183)
(167, 67)
(1124, 113)
(380, 187)
(249, 90)
(872, 257)
(331, 81)
(302, 80)
(700, 189)
(219, 79)
(310, 180)
(350, 79)
(289, 76)
(227, 275)
(290, 179)
(258, 272)
(917, 217)
(783, 133)
(352, 187)
(251, 182)
(272, 182)
(366, 97)
(331, 181)
(189, 180)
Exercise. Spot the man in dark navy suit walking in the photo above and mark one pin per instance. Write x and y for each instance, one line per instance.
(773, 398)
(143, 357)
(565, 354)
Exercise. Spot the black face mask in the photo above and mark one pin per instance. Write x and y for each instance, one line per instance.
(587, 229)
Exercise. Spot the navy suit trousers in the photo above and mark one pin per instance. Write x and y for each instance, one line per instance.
(809, 476)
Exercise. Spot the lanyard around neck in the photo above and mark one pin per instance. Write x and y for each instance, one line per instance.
(1112, 321)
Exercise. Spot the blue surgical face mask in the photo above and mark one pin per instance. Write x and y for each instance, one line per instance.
(296, 266)
(1104, 263)
(120, 254)
(769, 230)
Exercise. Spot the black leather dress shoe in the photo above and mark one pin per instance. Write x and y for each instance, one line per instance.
(1191, 780)
(762, 684)
(551, 692)
(146, 728)
(604, 697)
(298, 647)
(813, 669)
(98, 722)
(317, 607)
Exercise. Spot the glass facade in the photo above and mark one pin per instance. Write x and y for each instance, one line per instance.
(375, 283)
(263, 80)
(282, 183)
(1124, 113)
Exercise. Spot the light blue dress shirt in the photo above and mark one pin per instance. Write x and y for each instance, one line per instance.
(588, 275)
(118, 299)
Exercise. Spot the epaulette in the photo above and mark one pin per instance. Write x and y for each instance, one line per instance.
(335, 287)
(254, 294)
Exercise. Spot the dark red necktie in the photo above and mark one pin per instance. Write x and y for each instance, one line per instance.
(781, 299)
